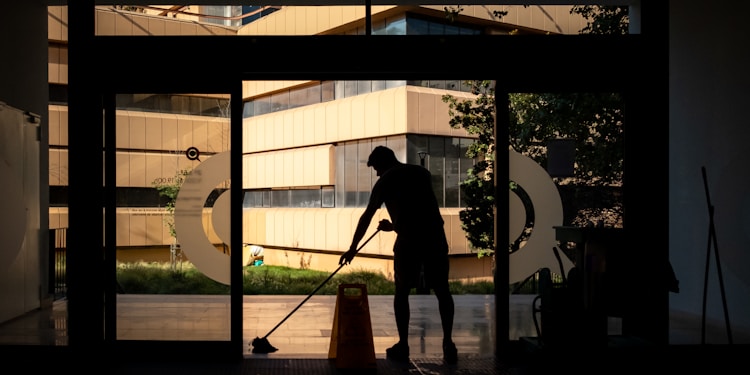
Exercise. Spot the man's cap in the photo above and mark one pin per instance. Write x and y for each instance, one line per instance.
(381, 155)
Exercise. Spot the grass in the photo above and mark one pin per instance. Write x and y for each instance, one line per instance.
(161, 278)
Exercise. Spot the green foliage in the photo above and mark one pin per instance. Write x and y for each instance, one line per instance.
(593, 120)
(169, 189)
(603, 20)
(159, 278)
(477, 117)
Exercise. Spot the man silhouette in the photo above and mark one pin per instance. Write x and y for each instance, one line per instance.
(421, 243)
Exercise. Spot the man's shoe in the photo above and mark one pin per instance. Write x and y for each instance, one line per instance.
(450, 353)
(398, 352)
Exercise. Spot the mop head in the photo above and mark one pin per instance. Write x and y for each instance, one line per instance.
(261, 345)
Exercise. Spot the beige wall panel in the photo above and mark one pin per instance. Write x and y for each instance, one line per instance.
(309, 166)
(184, 132)
(63, 110)
(63, 170)
(254, 226)
(289, 169)
(137, 230)
(248, 168)
(200, 134)
(336, 15)
(289, 121)
(58, 217)
(140, 25)
(277, 130)
(137, 170)
(172, 28)
(342, 118)
(258, 174)
(122, 233)
(53, 64)
(157, 27)
(552, 18)
(306, 115)
(248, 135)
(122, 129)
(274, 227)
(316, 115)
(154, 230)
(54, 168)
(300, 236)
(154, 134)
(218, 136)
(57, 19)
(122, 173)
(256, 128)
(471, 269)
(369, 115)
(137, 132)
(387, 111)
(188, 28)
(299, 123)
(268, 130)
(53, 132)
(267, 167)
(375, 115)
(332, 229)
(168, 166)
(426, 109)
(169, 132)
(106, 22)
(63, 67)
(154, 167)
(440, 116)
(278, 169)
(357, 116)
(123, 25)
(427, 114)
(299, 172)
(456, 235)
(352, 12)
(320, 226)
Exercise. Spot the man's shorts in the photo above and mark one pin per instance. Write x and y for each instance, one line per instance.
(411, 254)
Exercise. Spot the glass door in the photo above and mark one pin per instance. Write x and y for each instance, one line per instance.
(169, 242)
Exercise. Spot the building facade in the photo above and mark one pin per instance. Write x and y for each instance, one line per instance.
(304, 142)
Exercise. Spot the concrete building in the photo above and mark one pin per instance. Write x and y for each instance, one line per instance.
(304, 141)
(682, 76)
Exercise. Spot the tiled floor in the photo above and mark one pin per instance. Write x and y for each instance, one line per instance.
(304, 338)
(304, 333)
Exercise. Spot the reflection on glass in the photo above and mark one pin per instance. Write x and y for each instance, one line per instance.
(172, 158)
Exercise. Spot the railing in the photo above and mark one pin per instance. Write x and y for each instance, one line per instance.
(58, 250)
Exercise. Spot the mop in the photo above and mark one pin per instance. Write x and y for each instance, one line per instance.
(261, 344)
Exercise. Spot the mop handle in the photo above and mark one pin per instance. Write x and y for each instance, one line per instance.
(318, 288)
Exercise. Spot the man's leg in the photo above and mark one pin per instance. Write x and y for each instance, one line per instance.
(400, 351)
(446, 308)
(402, 313)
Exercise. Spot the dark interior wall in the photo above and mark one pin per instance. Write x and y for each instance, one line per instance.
(23, 85)
(709, 127)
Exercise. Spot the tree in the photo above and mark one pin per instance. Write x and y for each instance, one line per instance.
(477, 117)
(169, 188)
(593, 120)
